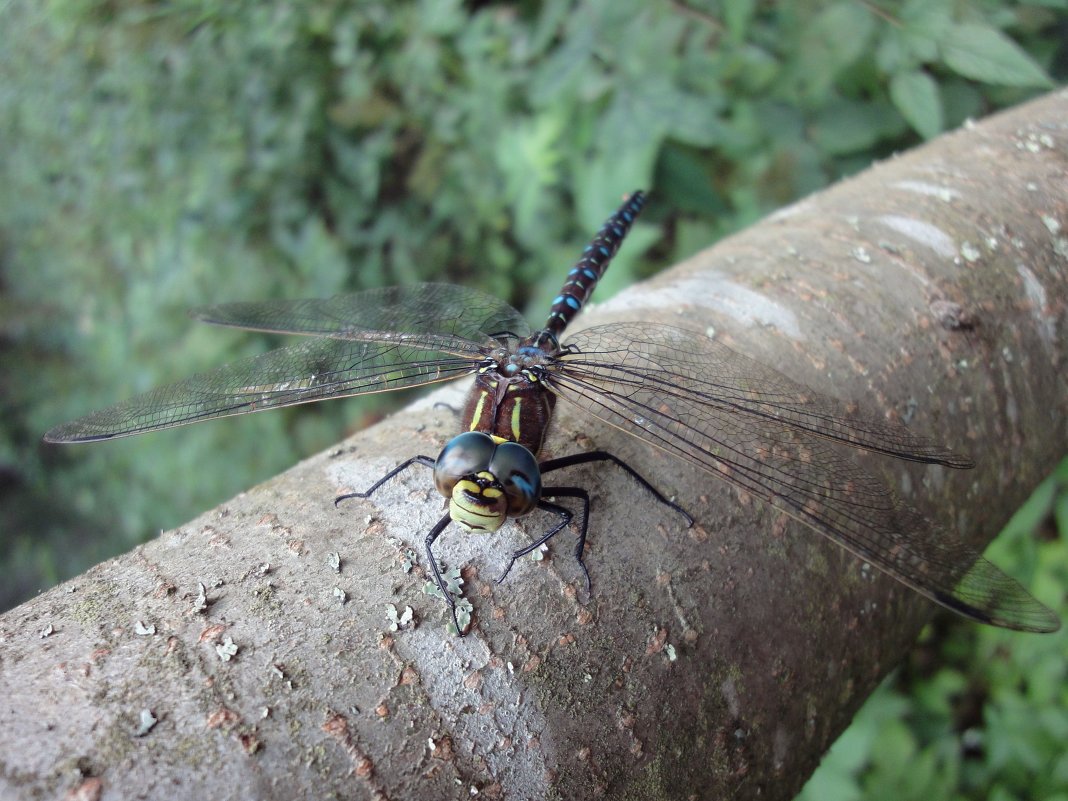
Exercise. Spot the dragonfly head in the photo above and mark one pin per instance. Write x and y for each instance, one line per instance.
(486, 480)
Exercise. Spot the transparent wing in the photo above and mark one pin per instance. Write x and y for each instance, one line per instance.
(373, 341)
(311, 370)
(417, 311)
(755, 428)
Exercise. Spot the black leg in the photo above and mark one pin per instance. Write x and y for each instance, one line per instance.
(444, 405)
(580, 546)
(565, 518)
(432, 535)
(426, 461)
(604, 456)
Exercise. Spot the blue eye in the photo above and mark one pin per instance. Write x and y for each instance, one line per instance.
(517, 470)
(463, 455)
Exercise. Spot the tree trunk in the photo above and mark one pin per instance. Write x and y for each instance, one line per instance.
(713, 662)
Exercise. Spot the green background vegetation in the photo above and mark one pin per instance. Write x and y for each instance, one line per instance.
(158, 156)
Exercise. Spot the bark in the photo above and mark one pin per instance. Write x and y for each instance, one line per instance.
(931, 287)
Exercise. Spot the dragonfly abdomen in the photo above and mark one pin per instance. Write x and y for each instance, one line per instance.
(588, 270)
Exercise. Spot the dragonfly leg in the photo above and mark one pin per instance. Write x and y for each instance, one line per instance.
(449, 406)
(566, 515)
(580, 546)
(604, 456)
(431, 536)
(426, 461)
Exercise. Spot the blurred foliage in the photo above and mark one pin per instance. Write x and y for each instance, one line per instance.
(160, 155)
(977, 712)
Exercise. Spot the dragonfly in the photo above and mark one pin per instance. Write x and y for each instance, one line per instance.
(739, 420)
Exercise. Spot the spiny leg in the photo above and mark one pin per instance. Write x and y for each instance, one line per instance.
(426, 461)
(431, 536)
(604, 456)
(444, 405)
(566, 515)
(580, 546)
(576, 492)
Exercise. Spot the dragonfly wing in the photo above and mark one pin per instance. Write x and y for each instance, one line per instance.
(753, 427)
(311, 370)
(435, 310)
(683, 363)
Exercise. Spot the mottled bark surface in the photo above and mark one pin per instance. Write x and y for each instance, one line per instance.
(930, 288)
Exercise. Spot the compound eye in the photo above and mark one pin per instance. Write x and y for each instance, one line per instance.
(517, 471)
(465, 455)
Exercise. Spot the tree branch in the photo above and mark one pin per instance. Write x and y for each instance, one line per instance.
(714, 662)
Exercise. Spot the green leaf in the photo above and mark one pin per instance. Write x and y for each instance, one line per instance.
(737, 15)
(890, 55)
(916, 96)
(846, 126)
(843, 30)
(923, 23)
(985, 54)
(830, 43)
(827, 785)
(687, 182)
(961, 99)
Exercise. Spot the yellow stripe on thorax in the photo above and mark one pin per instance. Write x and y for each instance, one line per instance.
(515, 420)
(477, 416)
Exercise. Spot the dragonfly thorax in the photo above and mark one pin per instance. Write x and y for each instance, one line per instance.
(487, 480)
(510, 401)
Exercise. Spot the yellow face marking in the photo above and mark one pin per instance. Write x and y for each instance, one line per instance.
(473, 520)
(477, 509)
(462, 487)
